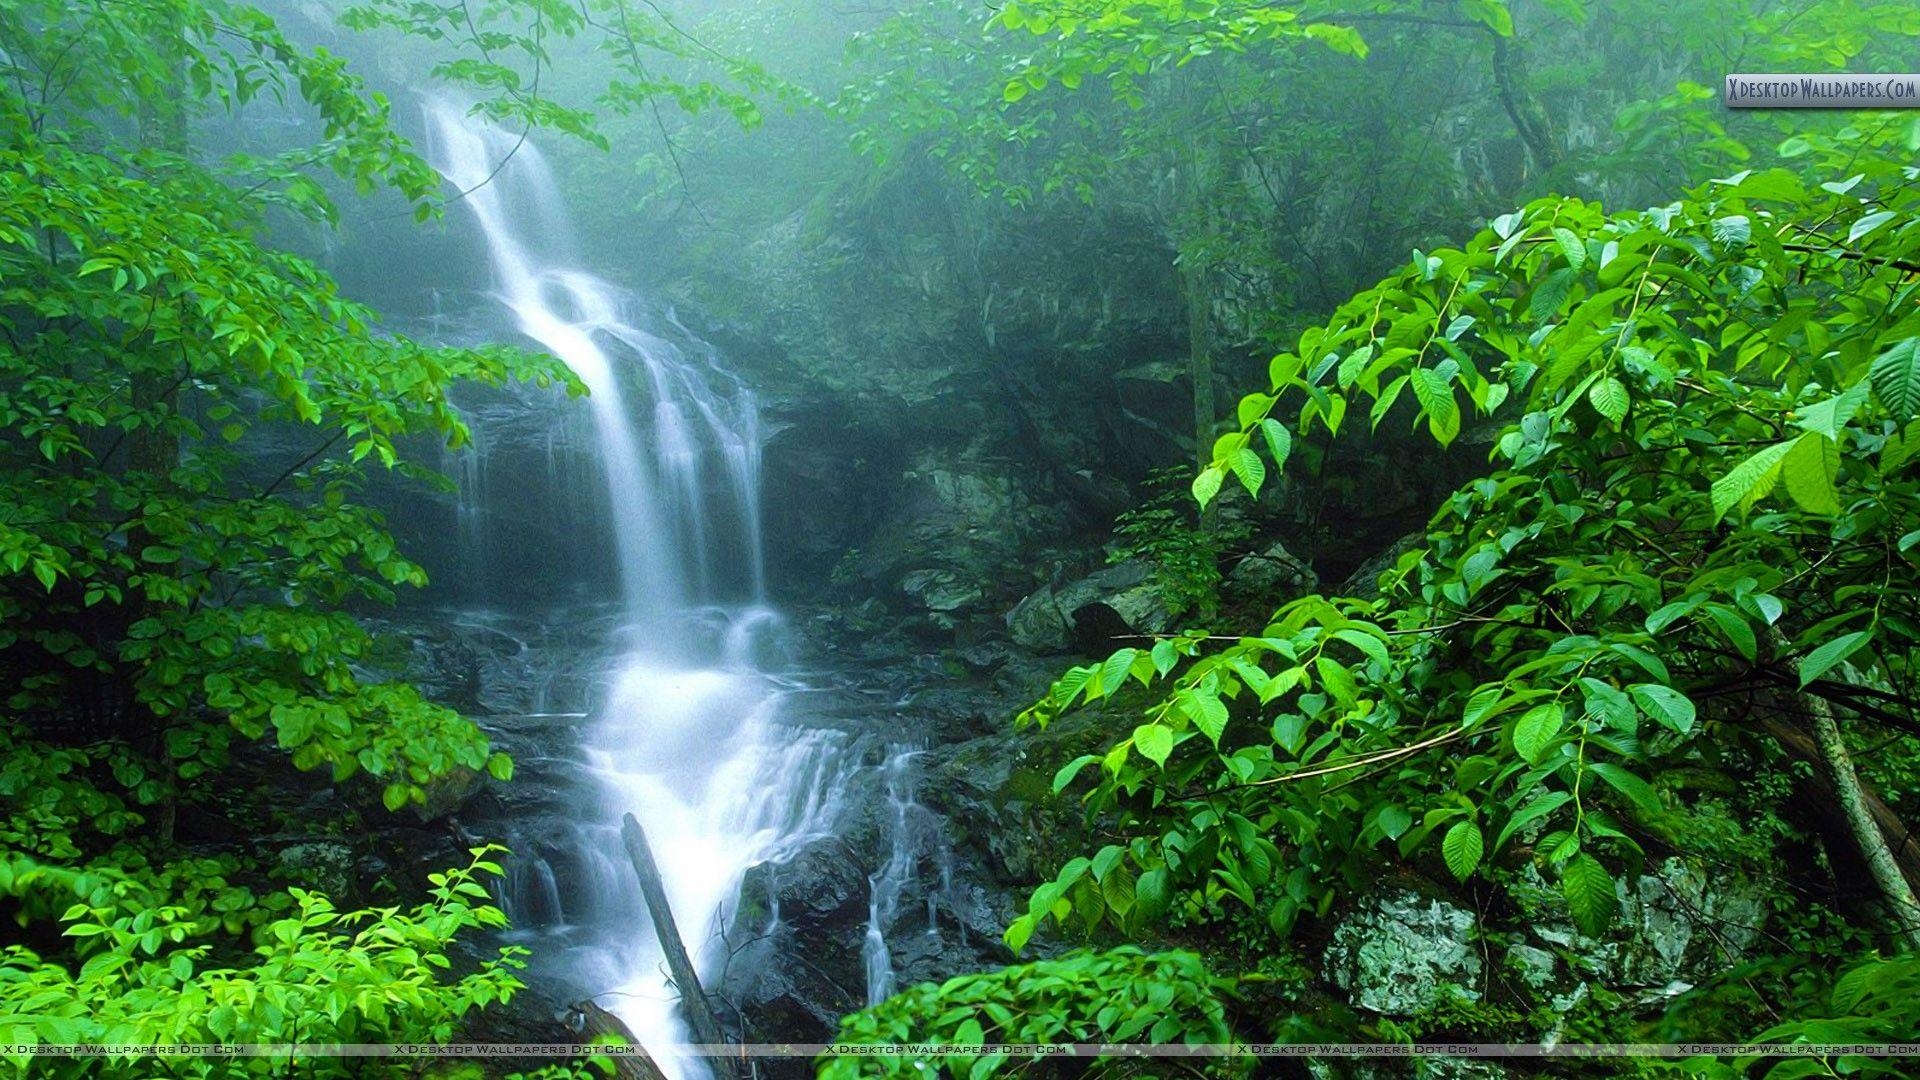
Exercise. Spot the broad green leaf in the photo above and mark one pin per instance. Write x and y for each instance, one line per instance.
(1434, 392)
(1821, 660)
(1809, 470)
(1749, 481)
(1830, 417)
(1533, 811)
(1535, 730)
(1207, 712)
(1154, 741)
(1665, 704)
(1070, 770)
(1279, 440)
(1207, 484)
(1609, 705)
(1735, 628)
(1252, 408)
(1867, 223)
(1571, 247)
(1250, 469)
(1895, 376)
(1610, 399)
(1590, 895)
(1113, 673)
(1549, 294)
(1732, 231)
(1462, 847)
(1637, 790)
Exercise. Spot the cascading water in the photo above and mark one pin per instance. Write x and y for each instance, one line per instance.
(686, 735)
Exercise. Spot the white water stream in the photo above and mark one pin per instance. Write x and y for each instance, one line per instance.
(687, 734)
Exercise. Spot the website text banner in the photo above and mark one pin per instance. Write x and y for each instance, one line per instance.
(1807, 91)
(1076, 1050)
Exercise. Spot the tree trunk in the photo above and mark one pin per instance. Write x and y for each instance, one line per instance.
(693, 1000)
(1199, 362)
(1529, 120)
(1895, 891)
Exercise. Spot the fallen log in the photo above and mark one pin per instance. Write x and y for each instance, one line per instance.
(596, 1022)
(693, 1000)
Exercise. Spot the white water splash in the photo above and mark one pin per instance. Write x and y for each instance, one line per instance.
(687, 737)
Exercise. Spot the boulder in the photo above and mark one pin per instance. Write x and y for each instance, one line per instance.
(1037, 622)
(325, 866)
(1676, 927)
(1127, 590)
(1272, 574)
(1399, 953)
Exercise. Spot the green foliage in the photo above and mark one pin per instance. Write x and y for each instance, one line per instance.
(1117, 996)
(1183, 549)
(150, 972)
(1700, 502)
(1592, 581)
(189, 417)
(1874, 1001)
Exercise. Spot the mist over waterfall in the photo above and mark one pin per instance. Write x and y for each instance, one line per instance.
(685, 728)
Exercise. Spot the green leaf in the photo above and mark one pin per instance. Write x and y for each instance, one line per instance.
(1462, 847)
(1549, 294)
(1809, 470)
(1867, 223)
(1830, 417)
(1071, 769)
(1207, 712)
(1207, 484)
(1749, 481)
(1571, 247)
(1164, 656)
(1252, 408)
(1638, 791)
(1250, 469)
(1019, 931)
(1665, 704)
(1154, 741)
(1279, 440)
(1734, 230)
(1152, 892)
(1590, 895)
(1608, 704)
(1113, 673)
(1895, 376)
(1735, 628)
(1393, 820)
(1610, 399)
(1821, 660)
(1434, 391)
(1536, 729)
(1538, 808)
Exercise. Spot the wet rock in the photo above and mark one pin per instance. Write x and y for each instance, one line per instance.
(1364, 582)
(1272, 575)
(1126, 591)
(321, 865)
(1676, 926)
(942, 593)
(1399, 953)
(1037, 622)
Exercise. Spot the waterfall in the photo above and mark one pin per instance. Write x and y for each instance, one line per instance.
(686, 733)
